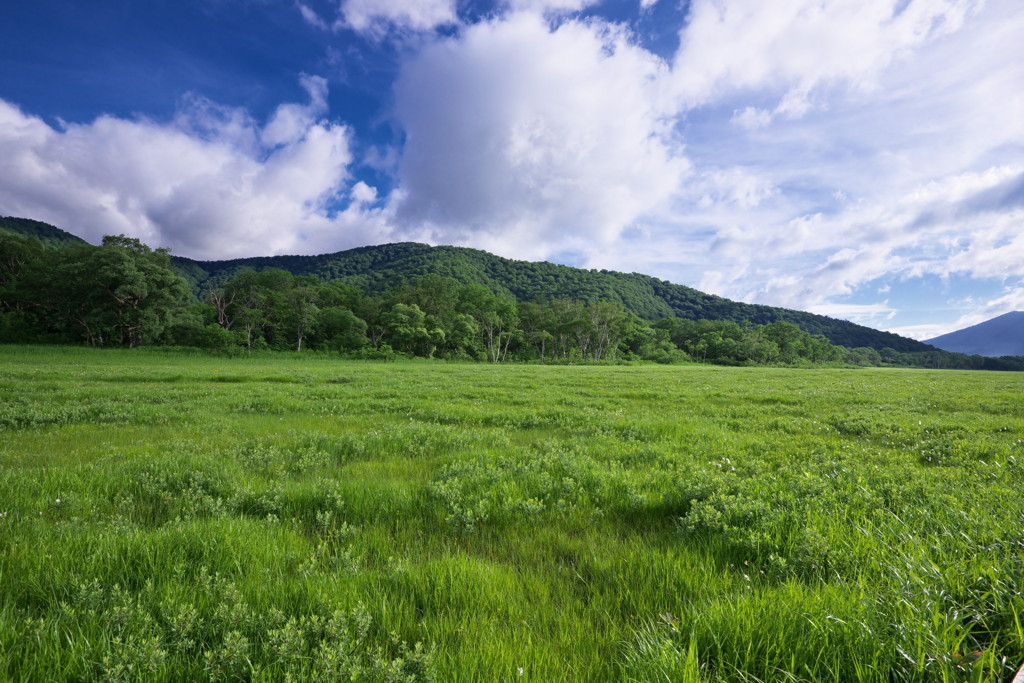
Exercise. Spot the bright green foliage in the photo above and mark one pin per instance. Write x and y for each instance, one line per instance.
(338, 329)
(434, 317)
(383, 268)
(409, 331)
(277, 515)
(728, 343)
(475, 306)
(130, 289)
(497, 319)
(47, 235)
(120, 293)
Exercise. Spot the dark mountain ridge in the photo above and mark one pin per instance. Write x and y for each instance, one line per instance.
(1000, 336)
(375, 269)
(51, 237)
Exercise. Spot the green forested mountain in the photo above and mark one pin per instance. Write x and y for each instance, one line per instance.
(50, 236)
(377, 269)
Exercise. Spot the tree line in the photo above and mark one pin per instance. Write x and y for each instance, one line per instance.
(378, 269)
(122, 293)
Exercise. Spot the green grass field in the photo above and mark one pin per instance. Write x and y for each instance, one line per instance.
(166, 516)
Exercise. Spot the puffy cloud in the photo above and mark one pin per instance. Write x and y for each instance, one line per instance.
(363, 193)
(290, 122)
(911, 173)
(794, 46)
(523, 138)
(801, 202)
(212, 183)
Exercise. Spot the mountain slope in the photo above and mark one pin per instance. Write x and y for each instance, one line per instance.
(379, 268)
(1001, 336)
(50, 236)
(376, 269)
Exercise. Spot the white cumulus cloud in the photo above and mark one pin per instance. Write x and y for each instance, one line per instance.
(290, 122)
(211, 184)
(524, 138)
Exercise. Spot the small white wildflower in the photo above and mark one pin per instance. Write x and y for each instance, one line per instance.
(521, 672)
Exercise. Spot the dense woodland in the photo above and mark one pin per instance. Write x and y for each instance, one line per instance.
(122, 293)
(379, 269)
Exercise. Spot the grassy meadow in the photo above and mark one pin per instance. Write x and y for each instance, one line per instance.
(167, 516)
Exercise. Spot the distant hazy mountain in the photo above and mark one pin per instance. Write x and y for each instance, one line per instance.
(379, 268)
(1002, 336)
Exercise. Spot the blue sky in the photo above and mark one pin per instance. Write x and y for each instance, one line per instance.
(858, 158)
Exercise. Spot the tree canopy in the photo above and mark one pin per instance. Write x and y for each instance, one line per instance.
(120, 293)
(388, 301)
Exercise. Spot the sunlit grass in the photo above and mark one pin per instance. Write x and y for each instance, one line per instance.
(173, 516)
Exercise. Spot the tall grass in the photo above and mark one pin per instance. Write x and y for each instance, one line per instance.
(172, 516)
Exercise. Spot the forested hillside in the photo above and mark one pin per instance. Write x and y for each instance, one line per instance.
(50, 236)
(410, 299)
(378, 269)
